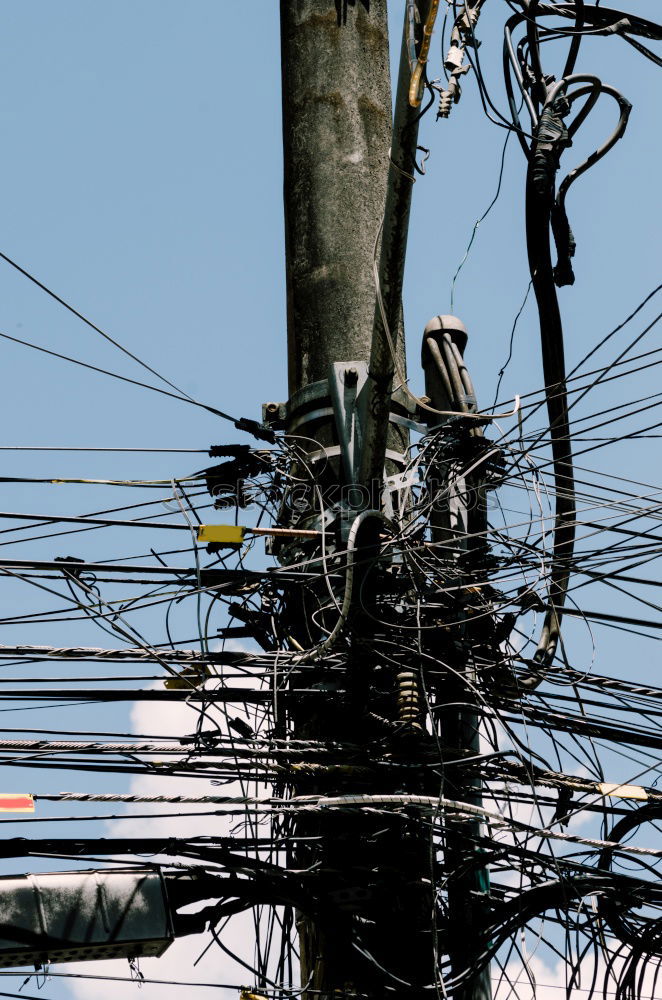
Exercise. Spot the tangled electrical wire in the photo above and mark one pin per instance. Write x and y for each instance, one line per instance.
(310, 728)
(374, 717)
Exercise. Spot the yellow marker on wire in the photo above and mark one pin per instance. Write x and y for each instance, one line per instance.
(232, 535)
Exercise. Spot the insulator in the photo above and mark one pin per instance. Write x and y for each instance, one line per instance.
(409, 698)
(445, 102)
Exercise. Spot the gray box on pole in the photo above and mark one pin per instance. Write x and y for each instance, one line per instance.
(78, 916)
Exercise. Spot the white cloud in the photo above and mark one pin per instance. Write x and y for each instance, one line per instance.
(175, 719)
(176, 964)
(550, 981)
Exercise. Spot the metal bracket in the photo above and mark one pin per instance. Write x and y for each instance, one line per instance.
(346, 382)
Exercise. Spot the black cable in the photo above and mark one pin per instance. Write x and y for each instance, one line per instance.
(92, 325)
(122, 378)
(482, 217)
(502, 370)
(242, 423)
(144, 451)
(538, 221)
(643, 49)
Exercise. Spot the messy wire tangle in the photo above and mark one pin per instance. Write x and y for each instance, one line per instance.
(247, 769)
(172, 730)
(549, 100)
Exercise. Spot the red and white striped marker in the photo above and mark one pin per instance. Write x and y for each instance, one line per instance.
(16, 803)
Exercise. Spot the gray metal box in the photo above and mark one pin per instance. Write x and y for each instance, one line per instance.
(82, 915)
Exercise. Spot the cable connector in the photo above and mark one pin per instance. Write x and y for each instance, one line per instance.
(256, 429)
(618, 27)
(454, 58)
(229, 450)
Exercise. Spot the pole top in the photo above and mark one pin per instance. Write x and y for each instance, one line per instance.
(451, 325)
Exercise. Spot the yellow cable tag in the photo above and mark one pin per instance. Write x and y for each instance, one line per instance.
(221, 534)
(190, 677)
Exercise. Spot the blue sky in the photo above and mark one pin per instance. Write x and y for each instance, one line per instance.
(142, 181)
(142, 176)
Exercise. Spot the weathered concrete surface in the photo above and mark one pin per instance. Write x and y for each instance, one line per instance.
(337, 136)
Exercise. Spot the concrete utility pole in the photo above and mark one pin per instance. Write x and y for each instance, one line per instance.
(348, 178)
(337, 137)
